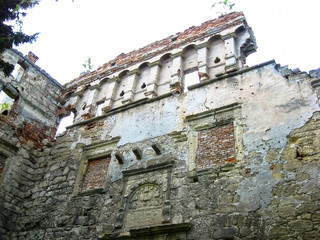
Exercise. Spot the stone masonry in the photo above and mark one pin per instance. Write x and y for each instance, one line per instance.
(151, 156)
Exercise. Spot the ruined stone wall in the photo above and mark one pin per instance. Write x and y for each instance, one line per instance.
(154, 178)
(25, 130)
(235, 157)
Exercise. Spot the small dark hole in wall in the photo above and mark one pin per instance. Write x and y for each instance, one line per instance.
(5, 113)
(195, 179)
(122, 93)
(143, 85)
(217, 60)
(174, 39)
(113, 64)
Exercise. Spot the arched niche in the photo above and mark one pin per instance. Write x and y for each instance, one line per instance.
(190, 66)
(122, 85)
(190, 58)
(104, 89)
(165, 74)
(216, 55)
(142, 81)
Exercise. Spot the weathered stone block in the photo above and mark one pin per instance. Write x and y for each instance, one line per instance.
(225, 233)
(301, 225)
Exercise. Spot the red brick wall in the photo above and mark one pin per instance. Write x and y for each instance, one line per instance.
(215, 146)
(96, 174)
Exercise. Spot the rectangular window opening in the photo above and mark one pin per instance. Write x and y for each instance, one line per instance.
(99, 111)
(190, 78)
(19, 70)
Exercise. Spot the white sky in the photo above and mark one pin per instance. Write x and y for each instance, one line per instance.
(286, 30)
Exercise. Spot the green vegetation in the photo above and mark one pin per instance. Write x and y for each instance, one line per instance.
(87, 64)
(223, 6)
(5, 109)
(11, 14)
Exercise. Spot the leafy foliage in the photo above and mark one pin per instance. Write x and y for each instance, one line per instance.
(223, 6)
(4, 107)
(11, 13)
(87, 64)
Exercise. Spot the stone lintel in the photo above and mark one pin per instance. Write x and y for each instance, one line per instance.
(202, 45)
(213, 112)
(178, 54)
(228, 36)
(150, 231)
(135, 71)
(155, 63)
(161, 229)
(101, 144)
(156, 167)
(96, 86)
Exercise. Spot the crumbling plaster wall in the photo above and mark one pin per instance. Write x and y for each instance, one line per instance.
(268, 192)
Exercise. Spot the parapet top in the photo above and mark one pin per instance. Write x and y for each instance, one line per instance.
(125, 60)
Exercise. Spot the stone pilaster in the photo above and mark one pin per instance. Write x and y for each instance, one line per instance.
(110, 94)
(230, 52)
(203, 61)
(176, 74)
(155, 68)
(132, 78)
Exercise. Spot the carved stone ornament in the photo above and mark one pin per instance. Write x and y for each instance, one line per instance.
(145, 206)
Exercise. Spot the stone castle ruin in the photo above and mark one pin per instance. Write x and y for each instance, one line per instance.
(177, 140)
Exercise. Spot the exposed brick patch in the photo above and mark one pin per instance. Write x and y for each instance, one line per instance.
(96, 174)
(215, 146)
(35, 132)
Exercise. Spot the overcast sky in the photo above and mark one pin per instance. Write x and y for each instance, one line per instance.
(286, 30)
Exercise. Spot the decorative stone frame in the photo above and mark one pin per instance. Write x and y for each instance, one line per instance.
(210, 119)
(95, 151)
(160, 176)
